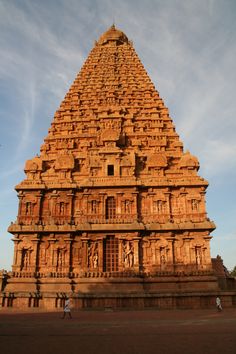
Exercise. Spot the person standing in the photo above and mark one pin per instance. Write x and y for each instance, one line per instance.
(67, 308)
(218, 304)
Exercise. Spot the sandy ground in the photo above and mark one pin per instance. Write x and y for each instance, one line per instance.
(123, 332)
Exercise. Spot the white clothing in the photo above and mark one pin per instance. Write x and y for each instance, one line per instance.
(218, 303)
(67, 306)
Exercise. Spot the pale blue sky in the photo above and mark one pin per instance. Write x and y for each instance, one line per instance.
(188, 47)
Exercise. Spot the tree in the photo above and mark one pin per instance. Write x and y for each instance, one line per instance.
(233, 272)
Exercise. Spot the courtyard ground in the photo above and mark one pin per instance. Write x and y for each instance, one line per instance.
(123, 332)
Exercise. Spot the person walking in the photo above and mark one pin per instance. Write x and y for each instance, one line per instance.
(218, 304)
(67, 308)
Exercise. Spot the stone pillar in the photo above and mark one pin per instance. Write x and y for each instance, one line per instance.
(171, 207)
(34, 260)
(20, 196)
(151, 198)
(70, 211)
(102, 209)
(135, 205)
(136, 253)
(187, 250)
(153, 250)
(85, 203)
(18, 258)
(118, 203)
(37, 207)
(52, 205)
(171, 251)
(207, 251)
(84, 262)
(168, 206)
(67, 265)
(100, 254)
(16, 254)
(121, 255)
(51, 256)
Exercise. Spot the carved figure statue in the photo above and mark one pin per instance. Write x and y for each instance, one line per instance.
(60, 259)
(195, 204)
(62, 208)
(95, 261)
(25, 259)
(92, 255)
(198, 256)
(128, 255)
(28, 208)
(163, 259)
(127, 207)
(163, 255)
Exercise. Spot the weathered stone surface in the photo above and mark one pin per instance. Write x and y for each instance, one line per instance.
(112, 193)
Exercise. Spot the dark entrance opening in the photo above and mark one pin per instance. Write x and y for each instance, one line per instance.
(110, 170)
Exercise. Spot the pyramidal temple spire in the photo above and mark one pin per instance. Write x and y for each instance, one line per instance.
(113, 84)
(112, 198)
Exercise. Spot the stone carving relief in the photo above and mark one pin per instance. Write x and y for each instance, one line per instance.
(191, 250)
(127, 205)
(64, 162)
(24, 254)
(163, 255)
(156, 253)
(128, 254)
(156, 163)
(95, 206)
(33, 168)
(198, 253)
(178, 207)
(159, 205)
(93, 255)
(59, 255)
(127, 165)
(157, 160)
(59, 208)
(110, 135)
(83, 166)
(28, 211)
(28, 205)
(188, 162)
(26, 258)
(95, 164)
(194, 202)
(60, 258)
(162, 252)
(78, 207)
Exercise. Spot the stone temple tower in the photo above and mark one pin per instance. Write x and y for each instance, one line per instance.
(112, 211)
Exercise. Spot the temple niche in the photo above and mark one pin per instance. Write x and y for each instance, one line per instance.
(113, 204)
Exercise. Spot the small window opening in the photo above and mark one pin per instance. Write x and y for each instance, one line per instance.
(110, 170)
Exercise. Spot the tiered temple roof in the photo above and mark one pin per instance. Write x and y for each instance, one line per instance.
(112, 108)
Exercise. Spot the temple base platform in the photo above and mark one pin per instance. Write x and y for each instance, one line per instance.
(94, 291)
